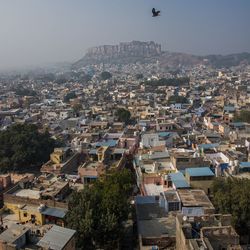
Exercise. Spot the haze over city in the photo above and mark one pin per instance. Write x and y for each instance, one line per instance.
(38, 32)
(124, 124)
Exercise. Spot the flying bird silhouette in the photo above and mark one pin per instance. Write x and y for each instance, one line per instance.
(155, 13)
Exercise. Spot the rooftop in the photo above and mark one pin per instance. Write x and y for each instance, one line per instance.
(56, 238)
(44, 186)
(179, 180)
(244, 164)
(13, 233)
(171, 196)
(55, 212)
(195, 198)
(158, 155)
(27, 193)
(157, 227)
(147, 208)
(106, 143)
(153, 189)
(203, 171)
(237, 124)
(209, 145)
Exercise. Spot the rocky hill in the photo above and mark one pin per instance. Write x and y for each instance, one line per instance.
(123, 53)
(144, 52)
(227, 61)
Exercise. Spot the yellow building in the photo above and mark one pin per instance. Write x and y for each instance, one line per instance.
(37, 214)
(102, 153)
(59, 155)
(62, 160)
(26, 213)
(39, 202)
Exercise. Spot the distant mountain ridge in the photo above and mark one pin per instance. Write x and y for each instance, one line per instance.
(229, 60)
(145, 52)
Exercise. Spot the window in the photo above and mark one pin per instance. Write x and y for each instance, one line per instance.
(33, 218)
(25, 215)
(173, 206)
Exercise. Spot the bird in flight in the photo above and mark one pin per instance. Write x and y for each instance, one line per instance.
(155, 13)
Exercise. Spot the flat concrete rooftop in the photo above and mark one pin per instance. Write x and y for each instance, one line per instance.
(158, 227)
(194, 198)
(27, 193)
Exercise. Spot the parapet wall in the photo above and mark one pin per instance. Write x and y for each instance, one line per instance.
(8, 198)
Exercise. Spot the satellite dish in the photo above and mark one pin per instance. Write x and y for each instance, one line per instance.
(184, 218)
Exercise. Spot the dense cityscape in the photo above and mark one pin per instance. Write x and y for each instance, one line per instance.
(124, 125)
(128, 148)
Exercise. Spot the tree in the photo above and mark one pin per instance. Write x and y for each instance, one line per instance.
(97, 212)
(77, 108)
(177, 99)
(201, 88)
(233, 196)
(22, 146)
(61, 80)
(85, 78)
(70, 95)
(20, 91)
(139, 76)
(105, 75)
(243, 116)
(123, 115)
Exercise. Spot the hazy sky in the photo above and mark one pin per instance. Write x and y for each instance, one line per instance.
(41, 31)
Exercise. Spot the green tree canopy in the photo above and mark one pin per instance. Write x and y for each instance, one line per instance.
(243, 116)
(97, 212)
(85, 78)
(105, 75)
(77, 108)
(123, 115)
(20, 91)
(201, 88)
(139, 76)
(23, 146)
(61, 80)
(177, 99)
(233, 196)
(70, 95)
